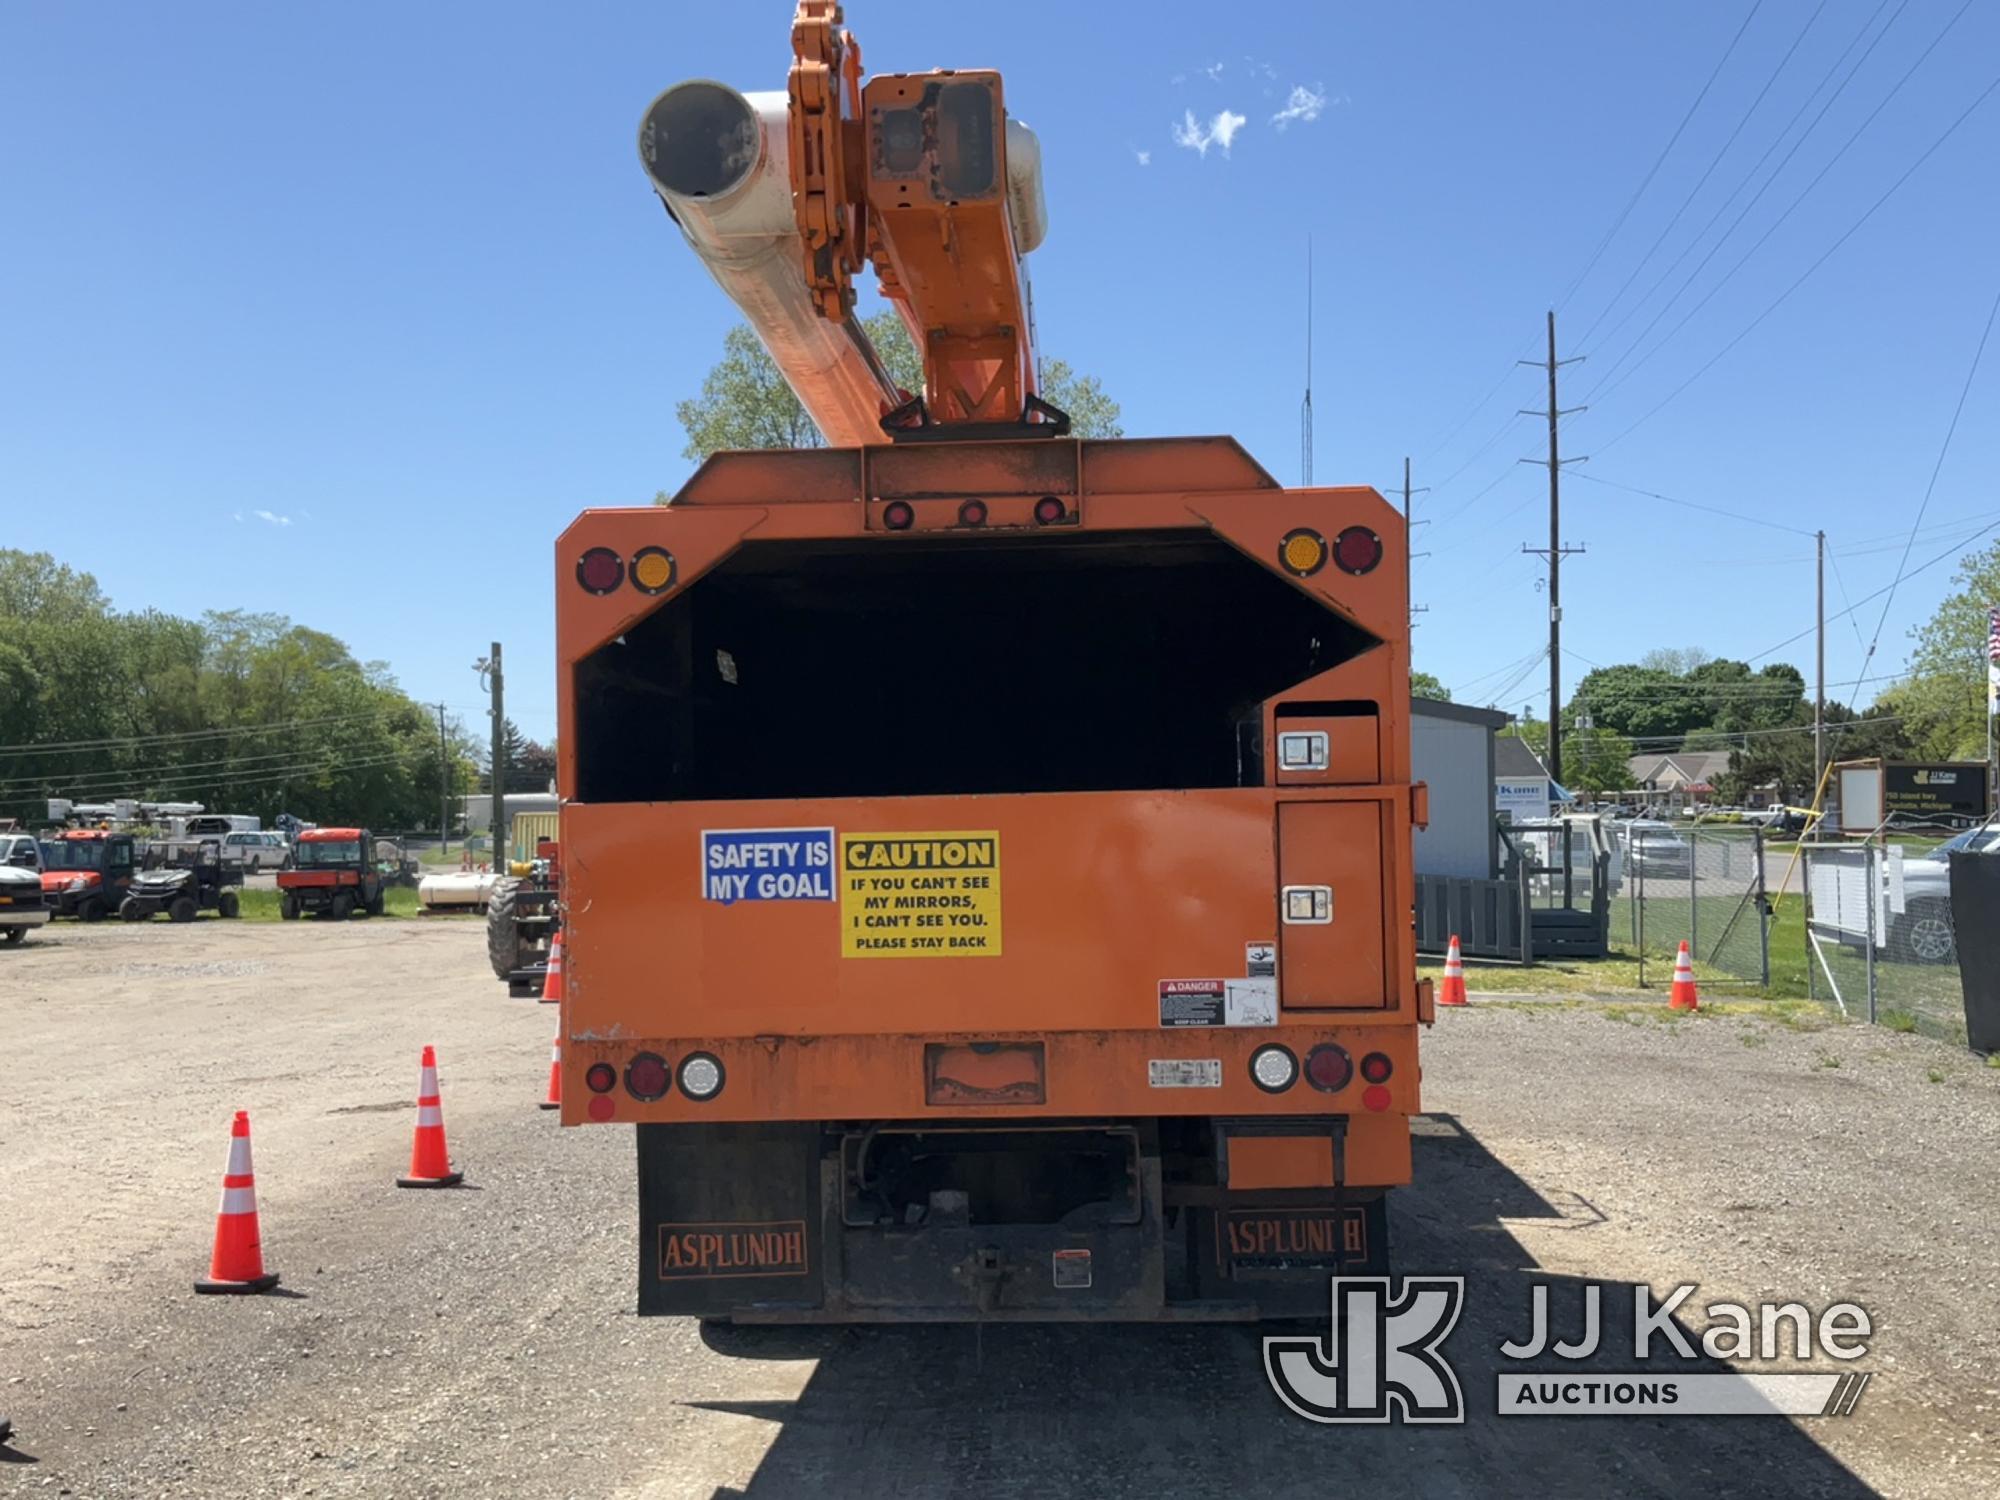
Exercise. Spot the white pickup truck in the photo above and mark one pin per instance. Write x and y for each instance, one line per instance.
(22, 904)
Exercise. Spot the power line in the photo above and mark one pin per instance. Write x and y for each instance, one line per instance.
(1952, 551)
(1701, 182)
(1804, 276)
(1755, 198)
(1714, 510)
(38, 748)
(1659, 161)
(1936, 469)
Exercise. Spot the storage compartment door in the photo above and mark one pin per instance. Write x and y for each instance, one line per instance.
(1330, 912)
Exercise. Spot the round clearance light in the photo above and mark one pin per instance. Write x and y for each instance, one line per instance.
(1329, 1068)
(647, 1076)
(1375, 1097)
(701, 1075)
(972, 513)
(652, 570)
(898, 515)
(1273, 1069)
(1303, 552)
(1049, 510)
(1376, 1067)
(600, 1078)
(1357, 550)
(600, 570)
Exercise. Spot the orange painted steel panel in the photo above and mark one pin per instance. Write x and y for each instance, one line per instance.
(1333, 961)
(1103, 895)
(1280, 1161)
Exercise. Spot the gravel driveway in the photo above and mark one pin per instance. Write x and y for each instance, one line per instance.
(481, 1342)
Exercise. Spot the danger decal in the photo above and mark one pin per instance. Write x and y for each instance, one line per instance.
(767, 864)
(920, 895)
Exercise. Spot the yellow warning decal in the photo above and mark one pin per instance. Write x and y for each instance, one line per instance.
(920, 895)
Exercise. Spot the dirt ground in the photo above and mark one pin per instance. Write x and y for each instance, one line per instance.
(481, 1342)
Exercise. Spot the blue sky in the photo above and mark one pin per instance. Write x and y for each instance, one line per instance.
(345, 311)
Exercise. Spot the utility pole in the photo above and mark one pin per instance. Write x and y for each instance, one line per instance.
(1409, 541)
(1555, 551)
(444, 785)
(1819, 671)
(488, 668)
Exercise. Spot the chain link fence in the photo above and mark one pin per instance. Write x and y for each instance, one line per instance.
(1701, 886)
(1879, 936)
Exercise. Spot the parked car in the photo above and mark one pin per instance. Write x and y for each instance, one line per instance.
(1922, 932)
(257, 851)
(21, 851)
(1656, 851)
(22, 903)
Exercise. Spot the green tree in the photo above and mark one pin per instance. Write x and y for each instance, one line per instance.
(1594, 761)
(745, 403)
(1424, 685)
(1943, 700)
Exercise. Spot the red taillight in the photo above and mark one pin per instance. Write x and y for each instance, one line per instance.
(972, 513)
(600, 1078)
(1375, 1097)
(898, 515)
(1357, 550)
(1329, 1068)
(1049, 510)
(600, 570)
(1376, 1067)
(647, 1076)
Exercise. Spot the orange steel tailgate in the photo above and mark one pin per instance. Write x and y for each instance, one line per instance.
(1102, 896)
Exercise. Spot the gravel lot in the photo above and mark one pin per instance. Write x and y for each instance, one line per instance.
(481, 1342)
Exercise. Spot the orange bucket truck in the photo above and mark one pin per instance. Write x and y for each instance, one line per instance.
(986, 853)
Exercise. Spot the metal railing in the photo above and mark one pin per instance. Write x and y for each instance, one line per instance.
(1701, 886)
(1880, 940)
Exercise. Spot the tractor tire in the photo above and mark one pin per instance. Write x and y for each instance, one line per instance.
(131, 910)
(91, 909)
(342, 907)
(288, 907)
(503, 927)
(183, 909)
(12, 936)
(228, 904)
(379, 905)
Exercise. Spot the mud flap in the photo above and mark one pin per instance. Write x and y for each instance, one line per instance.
(1278, 1252)
(729, 1218)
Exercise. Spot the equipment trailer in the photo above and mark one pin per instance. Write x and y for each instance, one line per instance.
(987, 854)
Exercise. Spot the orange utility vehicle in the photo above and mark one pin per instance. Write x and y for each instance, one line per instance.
(334, 873)
(86, 871)
(987, 854)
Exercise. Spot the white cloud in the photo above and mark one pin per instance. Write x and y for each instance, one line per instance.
(1145, 158)
(239, 518)
(1303, 105)
(1214, 72)
(1219, 131)
(269, 518)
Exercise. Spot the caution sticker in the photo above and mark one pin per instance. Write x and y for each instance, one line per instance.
(920, 895)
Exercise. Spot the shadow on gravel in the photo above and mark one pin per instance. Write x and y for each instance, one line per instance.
(1037, 1410)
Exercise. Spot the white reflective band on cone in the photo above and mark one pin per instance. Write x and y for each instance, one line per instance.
(239, 1200)
(429, 1114)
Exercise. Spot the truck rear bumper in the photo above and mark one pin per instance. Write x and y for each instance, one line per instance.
(23, 916)
(773, 1224)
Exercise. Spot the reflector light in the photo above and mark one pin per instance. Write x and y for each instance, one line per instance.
(1303, 552)
(1376, 1067)
(972, 513)
(898, 515)
(600, 570)
(1375, 1097)
(647, 1076)
(652, 570)
(1273, 1069)
(600, 1078)
(1357, 550)
(1049, 510)
(701, 1076)
(1329, 1068)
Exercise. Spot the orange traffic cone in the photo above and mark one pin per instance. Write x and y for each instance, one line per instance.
(552, 978)
(1682, 996)
(238, 1262)
(430, 1162)
(1453, 992)
(554, 1099)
